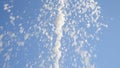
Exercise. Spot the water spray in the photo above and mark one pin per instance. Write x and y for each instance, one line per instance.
(59, 24)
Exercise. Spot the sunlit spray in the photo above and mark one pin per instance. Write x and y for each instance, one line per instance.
(59, 24)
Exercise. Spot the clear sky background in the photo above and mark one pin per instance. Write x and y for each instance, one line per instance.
(108, 51)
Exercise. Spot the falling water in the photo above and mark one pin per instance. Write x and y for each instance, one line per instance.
(49, 33)
(59, 24)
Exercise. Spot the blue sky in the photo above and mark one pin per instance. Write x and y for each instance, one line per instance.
(108, 50)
